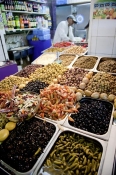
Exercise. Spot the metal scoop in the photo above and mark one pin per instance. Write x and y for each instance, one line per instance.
(58, 59)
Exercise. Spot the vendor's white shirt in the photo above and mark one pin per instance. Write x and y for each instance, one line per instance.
(62, 31)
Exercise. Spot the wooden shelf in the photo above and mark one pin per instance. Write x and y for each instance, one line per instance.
(24, 12)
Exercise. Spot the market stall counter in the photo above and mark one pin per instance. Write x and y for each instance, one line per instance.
(64, 116)
(7, 68)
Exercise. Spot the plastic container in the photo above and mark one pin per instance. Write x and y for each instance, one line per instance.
(39, 46)
(44, 37)
(39, 37)
(41, 32)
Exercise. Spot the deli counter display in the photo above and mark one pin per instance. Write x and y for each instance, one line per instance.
(59, 117)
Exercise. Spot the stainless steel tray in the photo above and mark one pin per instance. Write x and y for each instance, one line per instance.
(85, 52)
(70, 65)
(103, 137)
(45, 51)
(102, 143)
(39, 159)
(103, 59)
(61, 122)
(87, 56)
(108, 168)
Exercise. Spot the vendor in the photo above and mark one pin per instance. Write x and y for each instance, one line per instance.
(64, 30)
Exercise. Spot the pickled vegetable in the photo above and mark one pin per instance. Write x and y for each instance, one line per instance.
(93, 116)
(73, 154)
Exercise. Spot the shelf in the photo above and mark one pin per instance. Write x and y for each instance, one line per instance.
(24, 12)
(14, 30)
(37, 1)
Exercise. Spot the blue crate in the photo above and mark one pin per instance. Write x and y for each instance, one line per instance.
(59, 2)
(44, 37)
(41, 32)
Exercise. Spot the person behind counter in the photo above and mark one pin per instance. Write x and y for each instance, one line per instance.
(64, 30)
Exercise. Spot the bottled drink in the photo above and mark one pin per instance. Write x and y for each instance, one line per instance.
(12, 6)
(16, 5)
(35, 23)
(35, 7)
(32, 22)
(29, 22)
(21, 22)
(8, 5)
(24, 6)
(17, 22)
(13, 21)
(25, 22)
(5, 5)
(19, 5)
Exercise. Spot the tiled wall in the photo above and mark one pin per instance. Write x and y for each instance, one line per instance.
(102, 36)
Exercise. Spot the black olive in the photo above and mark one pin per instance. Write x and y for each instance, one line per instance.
(93, 116)
(25, 140)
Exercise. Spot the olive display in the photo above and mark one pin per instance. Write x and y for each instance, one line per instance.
(93, 116)
(25, 72)
(35, 86)
(73, 154)
(85, 62)
(107, 65)
(48, 73)
(9, 82)
(26, 143)
(73, 77)
(103, 83)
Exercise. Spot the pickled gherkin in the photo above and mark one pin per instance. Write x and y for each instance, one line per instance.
(80, 158)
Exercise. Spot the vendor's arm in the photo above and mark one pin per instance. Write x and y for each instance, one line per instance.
(71, 36)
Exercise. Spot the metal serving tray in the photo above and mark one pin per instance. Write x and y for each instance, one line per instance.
(110, 157)
(46, 50)
(39, 159)
(61, 122)
(84, 53)
(46, 53)
(101, 59)
(101, 142)
(87, 56)
(70, 65)
(104, 136)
